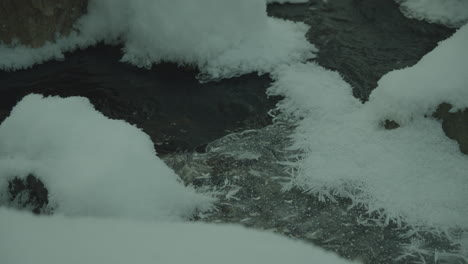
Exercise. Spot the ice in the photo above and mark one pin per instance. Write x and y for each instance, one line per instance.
(413, 175)
(48, 240)
(91, 165)
(452, 13)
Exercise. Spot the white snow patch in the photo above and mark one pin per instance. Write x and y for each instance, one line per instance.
(287, 1)
(223, 38)
(91, 165)
(18, 56)
(414, 173)
(451, 13)
(441, 76)
(48, 240)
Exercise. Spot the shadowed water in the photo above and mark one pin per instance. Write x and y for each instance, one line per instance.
(167, 102)
(363, 39)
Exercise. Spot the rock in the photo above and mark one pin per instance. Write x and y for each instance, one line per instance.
(454, 124)
(28, 193)
(33, 22)
(390, 124)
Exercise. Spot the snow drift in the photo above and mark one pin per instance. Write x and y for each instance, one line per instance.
(441, 76)
(91, 165)
(50, 240)
(412, 175)
(451, 13)
(223, 38)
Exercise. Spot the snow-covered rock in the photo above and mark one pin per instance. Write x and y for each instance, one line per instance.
(90, 165)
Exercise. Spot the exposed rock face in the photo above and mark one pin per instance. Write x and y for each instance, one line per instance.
(33, 22)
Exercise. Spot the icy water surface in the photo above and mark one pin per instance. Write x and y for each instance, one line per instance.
(247, 171)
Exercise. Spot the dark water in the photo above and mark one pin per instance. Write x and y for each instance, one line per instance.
(363, 39)
(167, 102)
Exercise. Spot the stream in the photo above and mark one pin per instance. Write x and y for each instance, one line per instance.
(219, 136)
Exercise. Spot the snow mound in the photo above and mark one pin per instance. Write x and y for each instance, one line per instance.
(223, 38)
(91, 165)
(451, 13)
(441, 76)
(50, 240)
(414, 174)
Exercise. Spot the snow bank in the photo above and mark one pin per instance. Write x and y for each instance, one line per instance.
(91, 165)
(414, 173)
(48, 240)
(223, 38)
(440, 76)
(452, 13)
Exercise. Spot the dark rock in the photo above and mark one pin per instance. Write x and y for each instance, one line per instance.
(390, 124)
(33, 22)
(454, 124)
(29, 192)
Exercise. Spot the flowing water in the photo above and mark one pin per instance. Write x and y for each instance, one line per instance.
(219, 137)
(167, 102)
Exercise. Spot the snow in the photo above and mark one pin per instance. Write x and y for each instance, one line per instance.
(440, 76)
(223, 38)
(287, 1)
(91, 165)
(452, 13)
(58, 239)
(414, 174)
